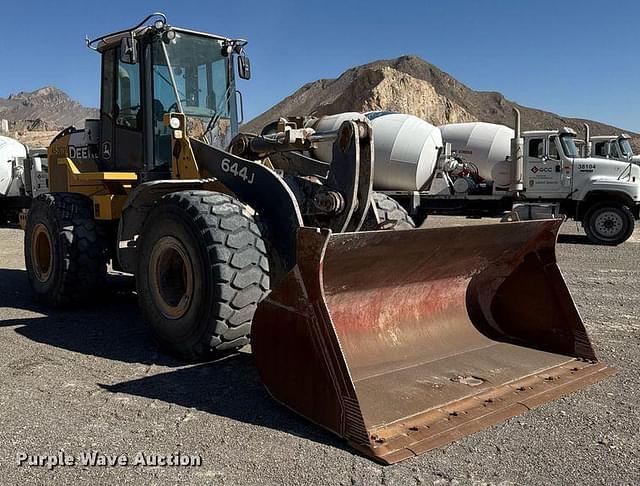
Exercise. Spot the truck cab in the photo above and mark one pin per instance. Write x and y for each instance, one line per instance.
(601, 192)
(615, 147)
(548, 166)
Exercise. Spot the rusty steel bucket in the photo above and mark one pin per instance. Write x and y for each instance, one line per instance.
(402, 341)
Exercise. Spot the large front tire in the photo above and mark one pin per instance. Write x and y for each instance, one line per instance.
(202, 270)
(65, 251)
(609, 224)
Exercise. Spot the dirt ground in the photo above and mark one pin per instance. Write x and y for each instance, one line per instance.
(75, 381)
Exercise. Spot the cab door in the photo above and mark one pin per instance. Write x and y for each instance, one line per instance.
(121, 147)
(543, 168)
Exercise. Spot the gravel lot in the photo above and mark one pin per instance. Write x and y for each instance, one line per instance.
(91, 380)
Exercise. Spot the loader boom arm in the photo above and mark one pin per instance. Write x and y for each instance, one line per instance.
(340, 203)
(253, 183)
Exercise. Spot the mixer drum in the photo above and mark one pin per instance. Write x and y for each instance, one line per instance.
(486, 145)
(10, 150)
(406, 148)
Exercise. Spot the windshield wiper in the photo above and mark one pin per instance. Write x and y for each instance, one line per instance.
(216, 112)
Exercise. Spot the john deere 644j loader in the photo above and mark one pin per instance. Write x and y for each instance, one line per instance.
(399, 341)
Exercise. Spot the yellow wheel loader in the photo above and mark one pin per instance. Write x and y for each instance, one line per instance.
(399, 341)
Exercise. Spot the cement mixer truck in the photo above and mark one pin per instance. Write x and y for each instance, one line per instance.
(550, 175)
(481, 168)
(23, 176)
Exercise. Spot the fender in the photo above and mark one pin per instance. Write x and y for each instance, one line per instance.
(265, 191)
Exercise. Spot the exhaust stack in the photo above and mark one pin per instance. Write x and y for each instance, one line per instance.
(587, 140)
(517, 155)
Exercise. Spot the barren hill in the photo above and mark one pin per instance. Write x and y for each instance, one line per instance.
(411, 85)
(35, 117)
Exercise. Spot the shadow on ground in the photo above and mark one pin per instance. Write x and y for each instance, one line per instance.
(230, 388)
(112, 328)
(575, 239)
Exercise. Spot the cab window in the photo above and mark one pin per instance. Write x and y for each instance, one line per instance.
(569, 147)
(553, 149)
(625, 147)
(127, 106)
(599, 150)
(108, 62)
(613, 150)
(536, 148)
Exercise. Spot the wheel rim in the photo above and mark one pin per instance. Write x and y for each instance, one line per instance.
(171, 277)
(609, 224)
(41, 252)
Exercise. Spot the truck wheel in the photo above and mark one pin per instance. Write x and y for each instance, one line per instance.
(392, 215)
(202, 270)
(65, 252)
(609, 224)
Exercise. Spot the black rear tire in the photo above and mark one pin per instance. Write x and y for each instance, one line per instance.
(65, 251)
(392, 215)
(609, 223)
(202, 270)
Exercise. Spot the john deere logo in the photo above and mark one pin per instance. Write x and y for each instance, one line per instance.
(106, 150)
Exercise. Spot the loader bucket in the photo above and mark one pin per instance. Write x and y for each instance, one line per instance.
(402, 341)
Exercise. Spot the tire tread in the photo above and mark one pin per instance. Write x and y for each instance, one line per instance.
(238, 263)
(393, 216)
(84, 249)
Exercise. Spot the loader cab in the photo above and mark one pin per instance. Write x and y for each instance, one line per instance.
(156, 70)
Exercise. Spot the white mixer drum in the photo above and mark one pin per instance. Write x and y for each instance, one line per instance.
(10, 150)
(486, 145)
(407, 150)
(328, 124)
(406, 147)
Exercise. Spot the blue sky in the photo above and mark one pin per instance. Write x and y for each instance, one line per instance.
(576, 58)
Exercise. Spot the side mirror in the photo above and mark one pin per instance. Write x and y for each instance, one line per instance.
(244, 67)
(129, 50)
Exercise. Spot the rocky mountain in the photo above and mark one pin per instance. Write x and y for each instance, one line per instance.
(51, 105)
(407, 84)
(35, 117)
(411, 85)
